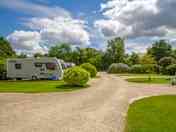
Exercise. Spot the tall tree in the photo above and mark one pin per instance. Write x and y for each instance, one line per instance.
(160, 49)
(61, 51)
(5, 48)
(38, 55)
(147, 59)
(22, 55)
(174, 53)
(133, 59)
(116, 50)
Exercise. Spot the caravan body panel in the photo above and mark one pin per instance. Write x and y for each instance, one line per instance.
(34, 68)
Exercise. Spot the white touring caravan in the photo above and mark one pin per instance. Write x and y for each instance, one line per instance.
(34, 68)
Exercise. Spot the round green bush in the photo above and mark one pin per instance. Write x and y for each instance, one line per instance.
(76, 76)
(171, 69)
(90, 68)
(118, 68)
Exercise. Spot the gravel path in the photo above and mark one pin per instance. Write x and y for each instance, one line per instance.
(100, 108)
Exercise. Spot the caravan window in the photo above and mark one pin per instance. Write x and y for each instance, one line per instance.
(39, 65)
(18, 66)
(51, 66)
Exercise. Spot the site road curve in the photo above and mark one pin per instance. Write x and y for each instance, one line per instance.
(99, 108)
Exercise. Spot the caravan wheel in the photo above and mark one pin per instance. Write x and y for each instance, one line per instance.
(34, 78)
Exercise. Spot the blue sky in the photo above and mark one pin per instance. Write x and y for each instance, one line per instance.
(11, 19)
(35, 25)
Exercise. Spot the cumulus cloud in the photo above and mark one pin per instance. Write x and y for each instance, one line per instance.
(142, 17)
(138, 19)
(26, 41)
(61, 29)
(46, 27)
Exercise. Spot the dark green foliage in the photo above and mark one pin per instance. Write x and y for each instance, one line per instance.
(5, 48)
(61, 51)
(118, 68)
(166, 61)
(2, 68)
(22, 55)
(171, 69)
(160, 49)
(90, 68)
(115, 51)
(174, 53)
(133, 59)
(38, 55)
(76, 76)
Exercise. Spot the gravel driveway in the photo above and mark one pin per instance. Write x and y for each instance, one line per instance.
(100, 108)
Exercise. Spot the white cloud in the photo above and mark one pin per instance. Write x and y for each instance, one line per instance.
(110, 28)
(26, 41)
(47, 32)
(138, 18)
(47, 26)
(61, 29)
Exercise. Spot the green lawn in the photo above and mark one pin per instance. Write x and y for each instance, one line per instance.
(36, 86)
(144, 78)
(154, 80)
(154, 114)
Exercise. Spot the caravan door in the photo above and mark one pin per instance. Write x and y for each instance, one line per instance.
(40, 70)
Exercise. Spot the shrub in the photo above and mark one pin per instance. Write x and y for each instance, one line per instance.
(138, 68)
(118, 68)
(147, 68)
(173, 81)
(166, 61)
(76, 76)
(90, 68)
(171, 69)
(2, 68)
(2, 71)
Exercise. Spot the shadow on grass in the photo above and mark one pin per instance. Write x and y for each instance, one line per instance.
(66, 87)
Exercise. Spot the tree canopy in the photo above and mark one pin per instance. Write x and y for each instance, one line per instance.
(160, 49)
(5, 48)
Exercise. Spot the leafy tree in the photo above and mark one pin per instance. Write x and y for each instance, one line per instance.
(22, 55)
(160, 49)
(115, 52)
(147, 59)
(5, 48)
(174, 53)
(61, 51)
(171, 69)
(97, 62)
(38, 55)
(87, 55)
(133, 59)
(166, 61)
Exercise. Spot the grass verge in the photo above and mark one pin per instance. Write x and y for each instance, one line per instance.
(153, 80)
(154, 114)
(36, 86)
